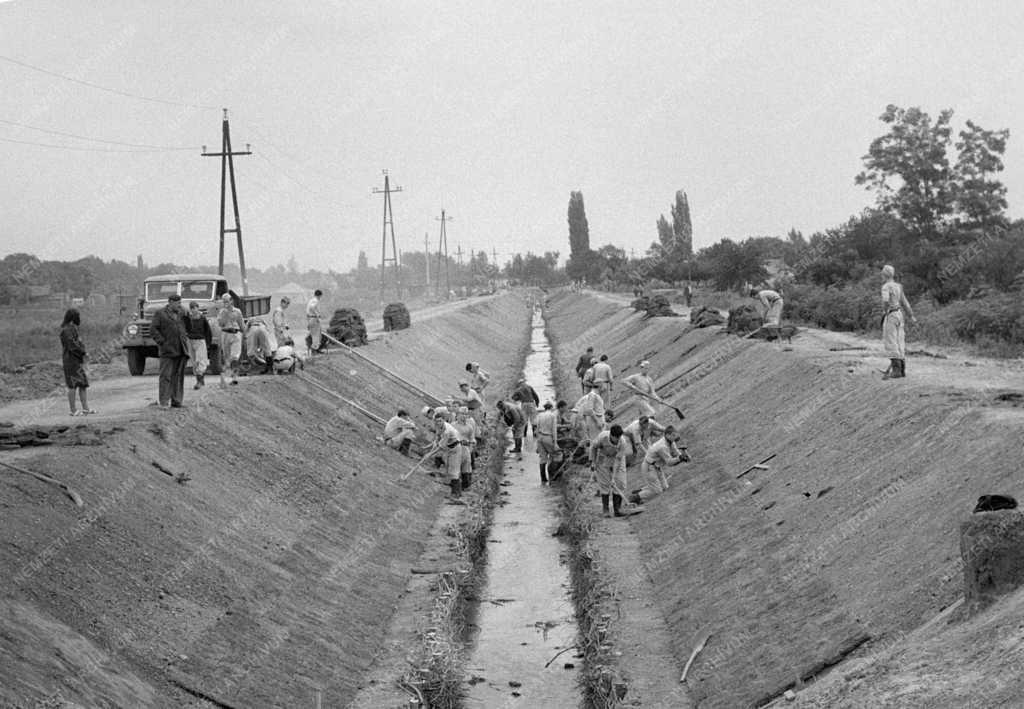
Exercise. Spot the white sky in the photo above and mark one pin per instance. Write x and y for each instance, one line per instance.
(760, 111)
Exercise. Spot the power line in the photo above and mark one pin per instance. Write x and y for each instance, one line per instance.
(126, 94)
(85, 149)
(97, 140)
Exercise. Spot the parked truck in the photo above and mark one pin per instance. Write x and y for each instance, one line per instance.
(206, 289)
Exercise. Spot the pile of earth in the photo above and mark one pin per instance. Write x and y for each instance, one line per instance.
(654, 306)
(396, 317)
(744, 318)
(347, 326)
(704, 316)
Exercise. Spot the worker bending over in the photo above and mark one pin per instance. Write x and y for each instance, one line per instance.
(662, 453)
(608, 462)
(642, 384)
(545, 431)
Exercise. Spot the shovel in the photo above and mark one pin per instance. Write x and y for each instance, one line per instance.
(659, 401)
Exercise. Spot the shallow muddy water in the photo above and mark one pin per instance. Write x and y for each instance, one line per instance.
(526, 614)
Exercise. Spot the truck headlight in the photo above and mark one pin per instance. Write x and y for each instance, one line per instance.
(132, 329)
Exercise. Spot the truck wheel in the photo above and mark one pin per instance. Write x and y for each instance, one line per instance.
(215, 365)
(136, 361)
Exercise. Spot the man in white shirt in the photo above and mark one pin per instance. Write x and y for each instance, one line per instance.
(399, 432)
(545, 431)
(641, 383)
(603, 380)
(313, 317)
(660, 455)
(590, 410)
(608, 462)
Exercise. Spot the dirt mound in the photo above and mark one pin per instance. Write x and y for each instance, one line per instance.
(396, 317)
(795, 567)
(347, 326)
(654, 306)
(704, 316)
(249, 548)
(744, 318)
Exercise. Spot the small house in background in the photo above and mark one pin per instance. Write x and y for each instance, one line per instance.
(96, 300)
(294, 292)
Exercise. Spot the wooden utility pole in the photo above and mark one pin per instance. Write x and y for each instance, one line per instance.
(442, 253)
(426, 257)
(227, 171)
(389, 223)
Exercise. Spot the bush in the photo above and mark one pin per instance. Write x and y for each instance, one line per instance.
(853, 308)
(995, 323)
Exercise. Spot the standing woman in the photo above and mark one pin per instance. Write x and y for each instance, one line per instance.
(893, 327)
(73, 357)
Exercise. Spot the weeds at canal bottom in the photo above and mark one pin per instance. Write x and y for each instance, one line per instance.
(435, 677)
(593, 597)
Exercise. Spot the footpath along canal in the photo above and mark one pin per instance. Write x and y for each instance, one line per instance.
(526, 614)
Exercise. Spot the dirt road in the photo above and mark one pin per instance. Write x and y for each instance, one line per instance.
(117, 396)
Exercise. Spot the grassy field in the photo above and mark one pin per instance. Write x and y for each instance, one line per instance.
(29, 335)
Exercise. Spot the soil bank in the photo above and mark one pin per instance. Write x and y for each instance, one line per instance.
(247, 550)
(847, 540)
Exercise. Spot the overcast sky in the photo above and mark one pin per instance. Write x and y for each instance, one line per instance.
(760, 111)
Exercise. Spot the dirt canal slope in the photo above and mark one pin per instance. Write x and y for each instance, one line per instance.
(246, 551)
(829, 562)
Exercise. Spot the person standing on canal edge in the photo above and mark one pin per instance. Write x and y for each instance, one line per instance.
(200, 339)
(73, 359)
(314, 340)
(168, 330)
(894, 332)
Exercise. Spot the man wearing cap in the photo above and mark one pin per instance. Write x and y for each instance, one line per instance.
(399, 432)
(467, 436)
(313, 317)
(528, 399)
(608, 462)
(200, 338)
(603, 380)
(478, 377)
(281, 332)
(661, 454)
(545, 431)
(640, 433)
(512, 414)
(583, 365)
(168, 331)
(471, 400)
(449, 444)
(231, 324)
(643, 385)
(590, 410)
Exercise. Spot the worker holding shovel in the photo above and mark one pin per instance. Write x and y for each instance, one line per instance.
(642, 384)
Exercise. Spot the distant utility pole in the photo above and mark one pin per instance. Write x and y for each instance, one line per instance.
(227, 168)
(442, 253)
(494, 258)
(426, 256)
(389, 222)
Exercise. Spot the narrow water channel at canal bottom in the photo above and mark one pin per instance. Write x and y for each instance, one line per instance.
(526, 613)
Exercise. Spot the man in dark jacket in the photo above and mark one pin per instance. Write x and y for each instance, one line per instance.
(168, 330)
(200, 341)
(583, 365)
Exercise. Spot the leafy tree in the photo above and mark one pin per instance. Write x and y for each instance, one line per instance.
(733, 265)
(980, 154)
(362, 263)
(910, 172)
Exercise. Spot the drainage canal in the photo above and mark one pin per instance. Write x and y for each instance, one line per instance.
(526, 614)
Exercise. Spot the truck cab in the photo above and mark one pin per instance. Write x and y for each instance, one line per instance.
(206, 289)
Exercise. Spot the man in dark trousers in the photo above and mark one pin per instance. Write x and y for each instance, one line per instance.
(583, 365)
(168, 330)
(528, 399)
